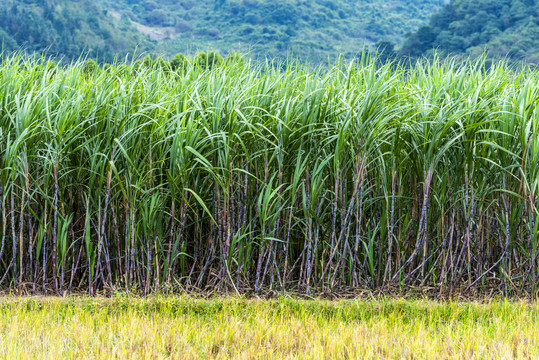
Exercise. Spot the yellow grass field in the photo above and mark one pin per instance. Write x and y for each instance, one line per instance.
(232, 328)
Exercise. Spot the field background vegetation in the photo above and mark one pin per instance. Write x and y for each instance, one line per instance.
(502, 28)
(316, 30)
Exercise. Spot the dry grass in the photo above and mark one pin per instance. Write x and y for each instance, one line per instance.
(187, 328)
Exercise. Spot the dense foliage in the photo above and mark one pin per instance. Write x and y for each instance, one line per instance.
(66, 29)
(503, 28)
(315, 29)
(250, 178)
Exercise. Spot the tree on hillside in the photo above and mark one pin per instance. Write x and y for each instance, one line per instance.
(157, 17)
(504, 28)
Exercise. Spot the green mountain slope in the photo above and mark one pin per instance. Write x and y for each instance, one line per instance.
(64, 28)
(311, 29)
(503, 28)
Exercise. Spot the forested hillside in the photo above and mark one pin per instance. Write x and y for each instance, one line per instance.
(311, 29)
(503, 28)
(66, 28)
